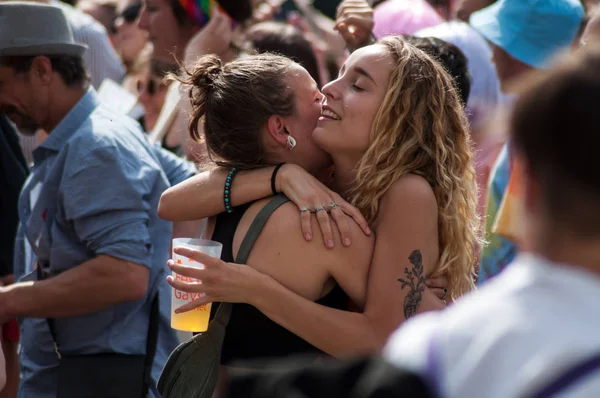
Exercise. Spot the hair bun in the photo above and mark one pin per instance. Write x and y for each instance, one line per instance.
(206, 71)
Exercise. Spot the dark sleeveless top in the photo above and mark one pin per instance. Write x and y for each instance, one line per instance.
(250, 335)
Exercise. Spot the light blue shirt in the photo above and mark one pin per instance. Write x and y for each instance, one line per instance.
(94, 189)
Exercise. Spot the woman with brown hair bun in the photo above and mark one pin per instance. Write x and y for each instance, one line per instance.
(395, 130)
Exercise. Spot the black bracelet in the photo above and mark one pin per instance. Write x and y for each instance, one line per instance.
(274, 177)
(227, 190)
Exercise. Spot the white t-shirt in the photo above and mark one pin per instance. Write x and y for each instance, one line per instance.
(511, 338)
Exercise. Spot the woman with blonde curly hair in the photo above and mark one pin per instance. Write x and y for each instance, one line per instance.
(394, 127)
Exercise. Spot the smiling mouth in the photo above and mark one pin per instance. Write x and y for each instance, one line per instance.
(328, 114)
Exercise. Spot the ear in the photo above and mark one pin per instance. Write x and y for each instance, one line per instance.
(41, 70)
(276, 129)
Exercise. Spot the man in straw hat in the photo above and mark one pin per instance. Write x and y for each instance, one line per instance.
(91, 250)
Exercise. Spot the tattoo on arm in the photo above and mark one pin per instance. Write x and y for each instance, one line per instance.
(415, 280)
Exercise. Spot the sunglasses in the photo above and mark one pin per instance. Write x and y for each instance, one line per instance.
(150, 86)
(128, 15)
(131, 13)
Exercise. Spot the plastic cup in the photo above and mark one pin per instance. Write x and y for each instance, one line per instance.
(197, 319)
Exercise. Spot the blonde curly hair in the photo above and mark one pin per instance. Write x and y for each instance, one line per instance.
(421, 128)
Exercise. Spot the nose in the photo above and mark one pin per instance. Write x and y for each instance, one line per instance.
(321, 97)
(142, 21)
(330, 90)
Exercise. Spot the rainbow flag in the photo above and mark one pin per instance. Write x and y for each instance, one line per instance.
(201, 10)
(509, 219)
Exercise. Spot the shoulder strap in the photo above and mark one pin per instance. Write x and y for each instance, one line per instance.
(256, 227)
(570, 377)
(224, 312)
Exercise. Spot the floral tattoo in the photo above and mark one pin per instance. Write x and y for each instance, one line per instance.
(415, 280)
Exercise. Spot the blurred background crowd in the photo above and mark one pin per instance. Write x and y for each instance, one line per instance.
(133, 46)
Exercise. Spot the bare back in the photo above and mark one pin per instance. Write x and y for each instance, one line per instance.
(306, 268)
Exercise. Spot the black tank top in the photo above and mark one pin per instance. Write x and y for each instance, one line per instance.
(250, 335)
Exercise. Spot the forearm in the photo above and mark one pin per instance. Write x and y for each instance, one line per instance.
(336, 332)
(92, 286)
(201, 196)
(187, 229)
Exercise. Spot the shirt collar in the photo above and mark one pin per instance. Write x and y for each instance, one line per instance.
(70, 124)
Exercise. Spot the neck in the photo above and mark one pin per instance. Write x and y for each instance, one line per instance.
(561, 246)
(345, 175)
(62, 105)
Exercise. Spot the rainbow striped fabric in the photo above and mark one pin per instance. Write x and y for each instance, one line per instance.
(200, 10)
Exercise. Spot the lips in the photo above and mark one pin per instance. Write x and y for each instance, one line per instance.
(328, 113)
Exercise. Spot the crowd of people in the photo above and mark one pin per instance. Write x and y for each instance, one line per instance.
(401, 209)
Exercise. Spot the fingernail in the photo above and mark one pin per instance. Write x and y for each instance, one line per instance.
(307, 236)
(347, 241)
(330, 243)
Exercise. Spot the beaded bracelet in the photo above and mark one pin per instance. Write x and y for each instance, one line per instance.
(227, 190)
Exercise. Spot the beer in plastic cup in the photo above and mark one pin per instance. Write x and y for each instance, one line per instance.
(197, 319)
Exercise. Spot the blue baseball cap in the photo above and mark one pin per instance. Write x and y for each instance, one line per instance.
(532, 31)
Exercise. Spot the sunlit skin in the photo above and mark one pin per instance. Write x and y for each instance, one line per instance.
(352, 101)
(301, 125)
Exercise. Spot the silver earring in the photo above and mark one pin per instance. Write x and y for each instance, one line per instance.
(291, 142)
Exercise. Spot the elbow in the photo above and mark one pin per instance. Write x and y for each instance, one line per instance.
(366, 342)
(373, 341)
(165, 206)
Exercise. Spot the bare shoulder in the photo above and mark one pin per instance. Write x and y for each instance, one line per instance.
(282, 252)
(284, 224)
(409, 193)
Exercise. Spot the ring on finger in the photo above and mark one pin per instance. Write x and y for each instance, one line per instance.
(303, 209)
(332, 205)
(319, 208)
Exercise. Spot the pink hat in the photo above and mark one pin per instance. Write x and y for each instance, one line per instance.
(404, 17)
